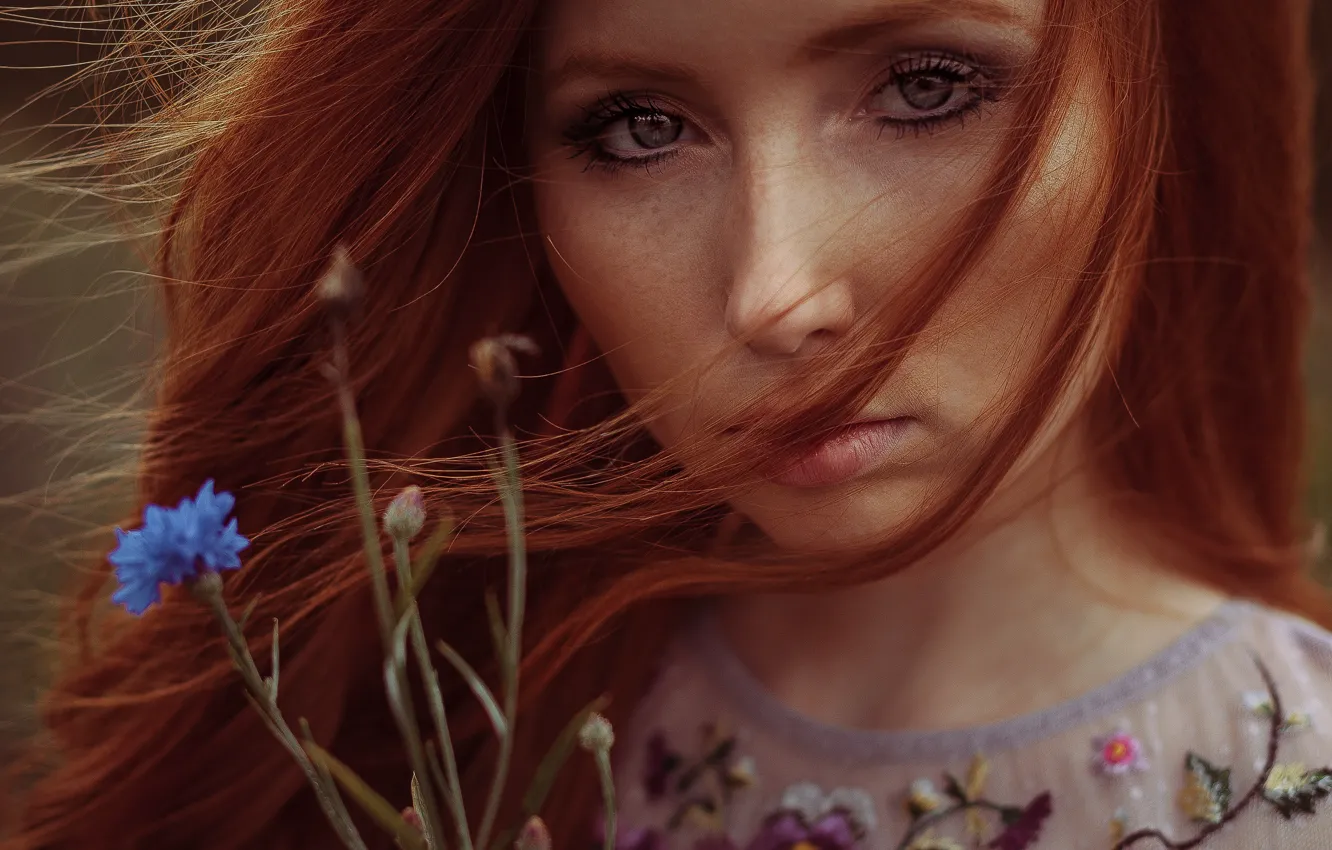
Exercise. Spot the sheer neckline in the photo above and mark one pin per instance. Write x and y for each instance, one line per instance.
(713, 652)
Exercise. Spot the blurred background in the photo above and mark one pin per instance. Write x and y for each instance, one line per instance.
(76, 335)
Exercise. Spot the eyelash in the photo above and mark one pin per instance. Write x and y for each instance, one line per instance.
(583, 137)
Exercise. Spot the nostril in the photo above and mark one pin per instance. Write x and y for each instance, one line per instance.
(817, 341)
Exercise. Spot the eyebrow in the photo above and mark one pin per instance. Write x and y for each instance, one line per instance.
(859, 31)
(846, 36)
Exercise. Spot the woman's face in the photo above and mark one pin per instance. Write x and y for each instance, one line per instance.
(703, 164)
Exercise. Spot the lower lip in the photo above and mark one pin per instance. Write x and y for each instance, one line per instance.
(848, 453)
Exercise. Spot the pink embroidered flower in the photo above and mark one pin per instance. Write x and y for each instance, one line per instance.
(1118, 753)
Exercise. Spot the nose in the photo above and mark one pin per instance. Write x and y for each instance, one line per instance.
(785, 252)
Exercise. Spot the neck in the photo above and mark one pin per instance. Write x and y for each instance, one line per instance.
(1044, 606)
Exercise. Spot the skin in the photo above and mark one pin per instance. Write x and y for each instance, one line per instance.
(798, 158)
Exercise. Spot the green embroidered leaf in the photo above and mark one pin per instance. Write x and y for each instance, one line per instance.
(953, 788)
(717, 757)
(722, 751)
(1206, 794)
(1293, 790)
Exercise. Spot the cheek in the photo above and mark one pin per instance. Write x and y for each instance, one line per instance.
(636, 268)
(992, 336)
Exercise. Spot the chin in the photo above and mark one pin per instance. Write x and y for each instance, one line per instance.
(856, 514)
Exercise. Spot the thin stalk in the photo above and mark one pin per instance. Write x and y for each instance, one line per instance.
(452, 788)
(511, 495)
(607, 795)
(404, 714)
(351, 433)
(266, 701)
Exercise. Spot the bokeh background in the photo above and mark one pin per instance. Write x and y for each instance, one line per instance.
(76, 334)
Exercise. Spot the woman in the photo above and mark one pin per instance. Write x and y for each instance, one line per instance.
(919, 397)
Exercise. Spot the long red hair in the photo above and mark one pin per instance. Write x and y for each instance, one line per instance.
(394, 127)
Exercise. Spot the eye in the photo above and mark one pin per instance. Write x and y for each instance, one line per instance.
(623, 130)
(929, 88)
(644, 132)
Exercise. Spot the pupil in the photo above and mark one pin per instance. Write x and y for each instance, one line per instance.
(654, 131)
(927, 92)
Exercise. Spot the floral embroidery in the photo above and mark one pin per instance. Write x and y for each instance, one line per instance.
(1293, 790)
(809, 801)
(1259, 703)
(1207, 795)
(1023, 830)
(1118, 753)
(976, 776)
(1118, 825)
(810, 819)
(930, 841)
(1021, 825)
(741, 774)
(922, 798)
(662, 761)
(702, 787)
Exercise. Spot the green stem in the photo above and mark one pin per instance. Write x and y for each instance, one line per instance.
(607, 796)
(923, 823)
(453, 787)
(266, 701)
(511, 495)
(404, 714)
(351, 433)
(355, 447)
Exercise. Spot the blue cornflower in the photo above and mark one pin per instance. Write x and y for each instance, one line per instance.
(173, 545)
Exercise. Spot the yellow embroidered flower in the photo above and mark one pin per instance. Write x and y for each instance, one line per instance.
(930, 841)
(741, 774)
(702, 817)
(1285, 779)
(922, 798)
(976, 775)
(1197, 802)
(1118, 826)
(1297, 720)
(1259, 703)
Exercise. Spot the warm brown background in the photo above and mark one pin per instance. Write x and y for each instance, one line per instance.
(74, 335)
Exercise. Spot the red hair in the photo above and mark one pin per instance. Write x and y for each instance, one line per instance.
(395, 127)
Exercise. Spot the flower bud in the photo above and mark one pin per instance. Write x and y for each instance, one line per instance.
(413, 819)
(406, 514)
(596, 736)
(206, 586)
(492, 357)
(341, 286)
(533, 836)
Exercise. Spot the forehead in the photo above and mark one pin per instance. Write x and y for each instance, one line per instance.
(576, 32)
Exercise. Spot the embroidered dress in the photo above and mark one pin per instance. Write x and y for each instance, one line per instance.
(1222, 741)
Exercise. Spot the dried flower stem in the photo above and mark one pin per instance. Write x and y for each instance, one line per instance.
(602, 757)
(395, 679)
(264, 699)
(452, 785)
(355, 445)
(511, 495)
